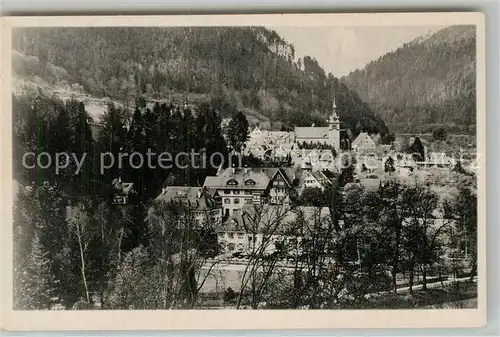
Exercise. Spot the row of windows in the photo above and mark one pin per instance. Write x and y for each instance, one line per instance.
(231, 235)
(250, 238)
(246, 192)
(236, 201)
(240, 236)
(248, 182)
(249, 192)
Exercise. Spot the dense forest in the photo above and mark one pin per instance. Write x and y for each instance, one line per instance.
(426, 83)
(249, 69)
(71, 254)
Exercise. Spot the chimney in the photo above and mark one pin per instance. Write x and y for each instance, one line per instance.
(163, 190)
(119, 179)
(198, 195)
(233, 169)
(246, 169)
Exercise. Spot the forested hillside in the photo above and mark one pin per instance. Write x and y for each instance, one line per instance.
(426, 83)
(250, 69)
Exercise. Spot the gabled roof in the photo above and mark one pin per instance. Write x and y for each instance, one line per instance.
(196, 198)
(288, 174)
(122, 187)
(233, 177)
(363, 139)
(324, 178)
(272, 219)
(311, 132)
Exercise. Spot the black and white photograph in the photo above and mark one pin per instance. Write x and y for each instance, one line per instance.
(247, 167)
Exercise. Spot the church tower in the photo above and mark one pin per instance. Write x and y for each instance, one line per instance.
(334, 127)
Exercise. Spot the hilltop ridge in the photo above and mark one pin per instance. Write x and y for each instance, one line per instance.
(250, 69)
(427, 83)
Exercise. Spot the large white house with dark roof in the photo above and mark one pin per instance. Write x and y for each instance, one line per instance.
(261, 227)
(240, 187)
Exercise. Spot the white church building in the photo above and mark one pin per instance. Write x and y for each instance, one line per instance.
(281, 143)
(329, 135)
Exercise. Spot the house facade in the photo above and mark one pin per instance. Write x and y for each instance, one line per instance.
(204, 208)
(121, 191)
(238, 188)
(318, 179)
(264, 228)
(363, 143)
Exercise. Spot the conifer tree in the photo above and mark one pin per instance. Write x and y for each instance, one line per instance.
(112, 138)
(237, 132)
(35, 289)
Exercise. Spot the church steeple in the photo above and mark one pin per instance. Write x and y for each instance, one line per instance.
(334, 123)
(334, 104)
(334, 117)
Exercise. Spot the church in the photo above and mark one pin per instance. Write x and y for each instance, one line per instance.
(329, 135)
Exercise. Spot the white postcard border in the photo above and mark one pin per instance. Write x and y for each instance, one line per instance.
(238, 319)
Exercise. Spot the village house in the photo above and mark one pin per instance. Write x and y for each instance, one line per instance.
(314, 159)
(197, 200)
(264, 227)
(269, 145)
(318, 179)
(121, 191)
(238, 187)
(363, 143)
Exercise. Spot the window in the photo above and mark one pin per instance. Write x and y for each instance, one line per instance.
(250, 182)
(227, 191)
(240, 235)
(232, 182)
(230, 246)
(227, 201)
(236, 201)
(248, 201)
(231, 235)
(236, 192)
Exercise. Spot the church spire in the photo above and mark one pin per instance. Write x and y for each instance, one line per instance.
(334, 106)
(333, 121)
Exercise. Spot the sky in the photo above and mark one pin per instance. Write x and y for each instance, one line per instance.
(340, 50)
